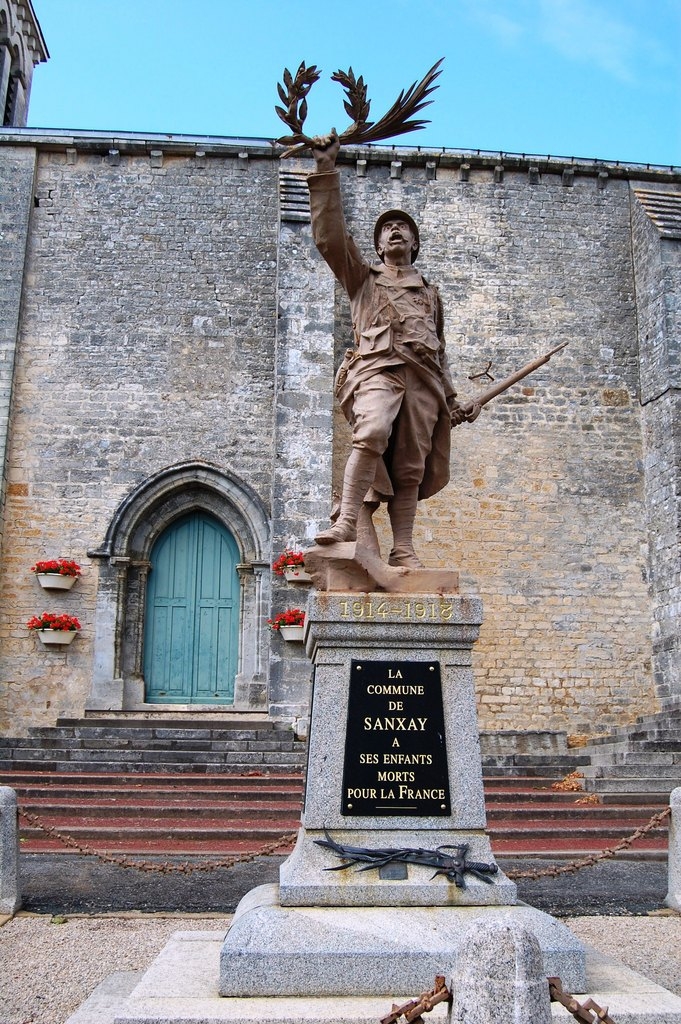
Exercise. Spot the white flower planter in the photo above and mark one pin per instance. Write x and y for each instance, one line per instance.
(292, 633)
(55, 581)
(57, 636)
(297, 575)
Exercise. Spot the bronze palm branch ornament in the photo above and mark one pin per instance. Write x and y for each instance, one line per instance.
(399, 120)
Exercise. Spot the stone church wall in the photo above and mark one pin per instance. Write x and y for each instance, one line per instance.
(168, 315)
(146, 339)
(545, 511)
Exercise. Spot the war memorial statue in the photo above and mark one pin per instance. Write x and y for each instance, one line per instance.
(394, 386)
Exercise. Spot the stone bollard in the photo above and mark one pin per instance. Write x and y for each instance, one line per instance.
(673, 898)
(10, 899)
(500, 977)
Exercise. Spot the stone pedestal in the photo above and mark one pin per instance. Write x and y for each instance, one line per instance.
(394, 765)
(10, 896)
(426, 630)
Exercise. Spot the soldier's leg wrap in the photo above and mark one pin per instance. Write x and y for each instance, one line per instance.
(402, 512)
(360, 471)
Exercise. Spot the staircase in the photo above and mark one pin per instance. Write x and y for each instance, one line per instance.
(150, 813)
(161, 788)
(641, 758)
(155, 744)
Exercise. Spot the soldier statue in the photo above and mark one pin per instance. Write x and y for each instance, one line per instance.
(394, 385)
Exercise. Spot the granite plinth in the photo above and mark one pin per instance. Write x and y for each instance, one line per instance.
(501, 976)
(10, 895)
(421, 629)
(336, 951)
(673, 898)
(181, 985)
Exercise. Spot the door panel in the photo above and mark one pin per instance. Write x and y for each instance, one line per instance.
(192, 622)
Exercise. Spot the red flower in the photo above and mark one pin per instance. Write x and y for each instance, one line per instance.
(59, 566)
(291, 617)
(48, 620)
(290, 559)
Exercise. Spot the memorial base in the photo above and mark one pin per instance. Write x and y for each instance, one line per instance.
(308, 878)
(394, 783)
(272, 950)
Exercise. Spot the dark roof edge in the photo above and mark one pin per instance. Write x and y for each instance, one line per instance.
(140, 143)
(45, 54)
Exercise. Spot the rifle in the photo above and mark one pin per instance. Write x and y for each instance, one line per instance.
(507, 382)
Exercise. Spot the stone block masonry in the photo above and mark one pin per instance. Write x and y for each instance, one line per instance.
(147, 339)
(16, 199)
(545, 509)
(166, 311)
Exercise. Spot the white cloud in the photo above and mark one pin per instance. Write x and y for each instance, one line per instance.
(589, 33)
(489, 14)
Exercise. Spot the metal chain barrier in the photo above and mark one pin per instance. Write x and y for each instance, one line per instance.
(187, 867)
(165, 867)
(587, 862)
(580, 1011)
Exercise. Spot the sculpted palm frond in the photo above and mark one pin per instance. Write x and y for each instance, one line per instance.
(357, 105)
(293, 94)
(398, 121)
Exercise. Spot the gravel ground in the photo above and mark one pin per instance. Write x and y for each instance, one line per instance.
(47, 969)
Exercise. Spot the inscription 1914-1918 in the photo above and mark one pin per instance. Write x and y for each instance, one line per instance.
(395, 753)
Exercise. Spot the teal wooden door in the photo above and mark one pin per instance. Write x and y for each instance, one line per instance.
(192, 615)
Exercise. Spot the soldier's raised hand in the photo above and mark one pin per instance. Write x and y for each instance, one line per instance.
(325, 150)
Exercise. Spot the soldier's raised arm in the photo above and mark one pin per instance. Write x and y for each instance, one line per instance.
(329, 230)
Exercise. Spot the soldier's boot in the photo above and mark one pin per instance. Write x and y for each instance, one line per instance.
(402, 512)
(360, 471)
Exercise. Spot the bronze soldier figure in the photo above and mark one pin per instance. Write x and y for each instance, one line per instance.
(394, 386)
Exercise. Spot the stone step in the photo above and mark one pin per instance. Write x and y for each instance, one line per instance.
(540, 770)
(165, 733)
(563, 848)
(159, 781)
(560, 764)
(609, 833)
(624, 771)
(115, 744)
(106, 837)
(647, 725)
(135, 811)
(172, 719)
(641, 758)
(229, 764)
(649, 745)
(643, 785)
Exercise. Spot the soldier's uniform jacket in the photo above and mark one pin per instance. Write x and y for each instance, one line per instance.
(396, 319)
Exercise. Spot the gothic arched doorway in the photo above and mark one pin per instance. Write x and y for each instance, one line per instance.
(191, 633)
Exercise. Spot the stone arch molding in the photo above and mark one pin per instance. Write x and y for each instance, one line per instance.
(153, 506)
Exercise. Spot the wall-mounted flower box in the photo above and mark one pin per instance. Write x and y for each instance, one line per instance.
(291, 565)
(54, 629)
(56, 573)
(293, 634)
(62, 637)
(291, 624)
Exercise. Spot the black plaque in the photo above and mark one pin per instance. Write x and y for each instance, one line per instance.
(395, 753)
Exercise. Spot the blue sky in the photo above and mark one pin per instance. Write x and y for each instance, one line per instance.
(584, 78)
